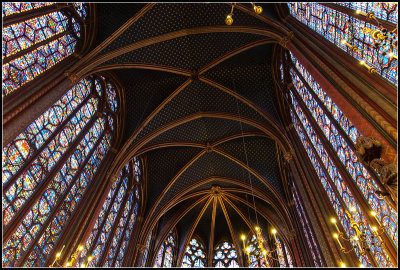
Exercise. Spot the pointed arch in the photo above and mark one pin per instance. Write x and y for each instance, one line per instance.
(35, 43)
(108, 241)
(195, 253)
(327, 136)
(225, 255)
(48, 168)
(167, 253)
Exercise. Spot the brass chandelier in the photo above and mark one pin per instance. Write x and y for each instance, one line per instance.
(229, 17)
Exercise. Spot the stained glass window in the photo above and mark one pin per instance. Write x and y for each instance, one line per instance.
(385, 213)
(281, 255)
(10, 8)
(225, 255)
(165, 255)
(385, 11)
(337, 190)
(47, 170)
(254, 252)
(307, 229)
(195, 255)
(337, 26)
(288, 257)
(114, 228)
(32, 46)
(146, 252)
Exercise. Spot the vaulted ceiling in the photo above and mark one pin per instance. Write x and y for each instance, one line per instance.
(201, 109)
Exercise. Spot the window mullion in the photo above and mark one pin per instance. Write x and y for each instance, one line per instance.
(314, 243)
(124, 231)
(340, 130)
(360, 199)
(70, 223)
(100, 229)
(61, 199)
(113, 228)
(352, 13)
(327, 175)
(163, 257)
(30, 14)
(34, 47)
(284, 254)
(40, 188)
(57, 130)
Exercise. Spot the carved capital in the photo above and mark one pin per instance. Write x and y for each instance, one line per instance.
(77, 55)
(71, 76)
(141, 248)
(291, 234)
(113, 178)
(283, 42)
(288, 156)
(286, 18)
(368, 148)
(291, 203)
(289, 127)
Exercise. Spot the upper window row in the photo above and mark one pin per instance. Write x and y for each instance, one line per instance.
(347, 32)
(34, 44)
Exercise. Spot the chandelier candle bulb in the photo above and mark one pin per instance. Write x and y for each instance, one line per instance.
(243, 238)
(333, 220)
(358, 243)
(370, 69)
(361, 13)
(336, 236)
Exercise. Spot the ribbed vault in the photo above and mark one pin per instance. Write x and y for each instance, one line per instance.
(201, 108)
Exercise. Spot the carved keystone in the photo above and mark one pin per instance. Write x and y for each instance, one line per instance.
(209, 148)
(195, 75)
(215, 190)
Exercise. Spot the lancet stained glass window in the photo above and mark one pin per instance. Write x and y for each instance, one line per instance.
(146, 252)
(32, 46)
(281, 255)
(54, 160)
(385, 213)
(307, 229)
(337, 26)
(385, 11)
(195, 255)
(114, 228)
(166, 253)
(338, 192)
(288, 257)
(225, 255)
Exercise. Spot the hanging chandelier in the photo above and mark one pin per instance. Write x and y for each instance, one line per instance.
(229, 17)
